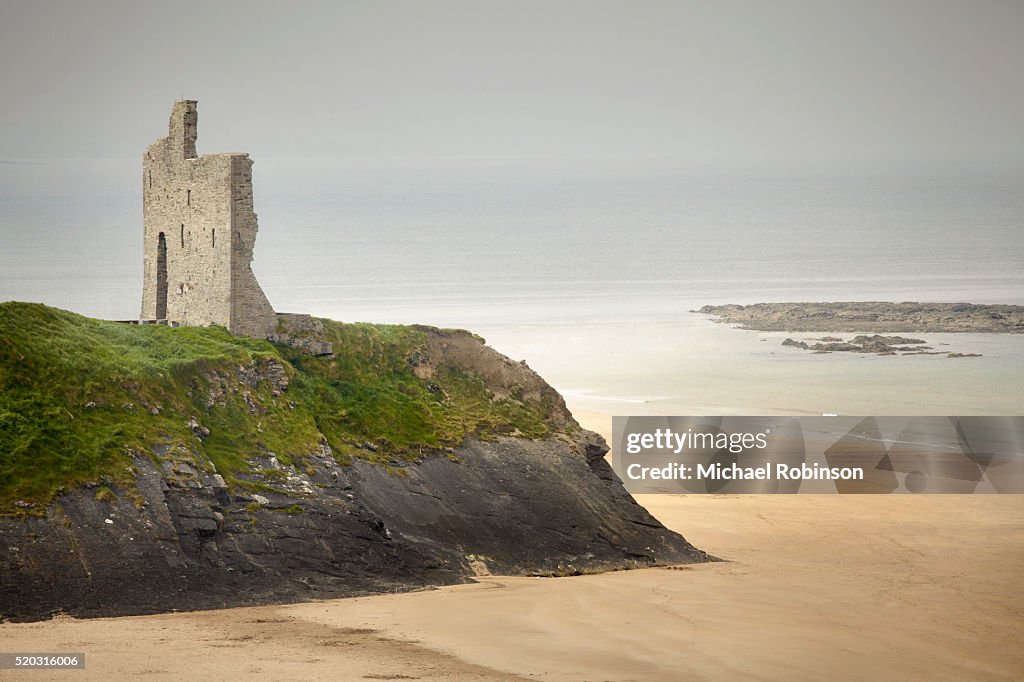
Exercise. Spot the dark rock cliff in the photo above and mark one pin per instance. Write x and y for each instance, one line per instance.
(508, 507)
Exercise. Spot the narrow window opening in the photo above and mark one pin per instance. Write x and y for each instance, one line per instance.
(161, 277)
(183, 235)
(213, 237)
(150, 178)
(188, 198)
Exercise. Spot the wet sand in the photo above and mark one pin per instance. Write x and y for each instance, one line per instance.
(815, 587)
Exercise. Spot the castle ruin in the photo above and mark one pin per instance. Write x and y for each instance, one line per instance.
(200, 229)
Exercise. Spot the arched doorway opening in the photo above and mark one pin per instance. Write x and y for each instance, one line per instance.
(161, 277)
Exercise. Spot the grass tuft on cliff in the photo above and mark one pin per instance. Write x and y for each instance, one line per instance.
(79, 396)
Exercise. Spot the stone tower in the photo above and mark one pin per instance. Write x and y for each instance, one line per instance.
(200, 229)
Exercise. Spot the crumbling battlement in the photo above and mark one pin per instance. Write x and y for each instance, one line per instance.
(200, 229)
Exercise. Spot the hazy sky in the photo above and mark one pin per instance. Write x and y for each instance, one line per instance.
(925, 83)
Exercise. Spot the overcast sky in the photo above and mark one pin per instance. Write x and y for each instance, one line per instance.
(930, 83)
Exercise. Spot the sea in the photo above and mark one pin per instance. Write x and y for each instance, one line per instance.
(588, 272)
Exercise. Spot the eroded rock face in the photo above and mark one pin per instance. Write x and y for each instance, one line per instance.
(503, 377)
(184, 541)
(522, 507)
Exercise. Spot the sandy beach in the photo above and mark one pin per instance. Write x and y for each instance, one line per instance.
(812, 587)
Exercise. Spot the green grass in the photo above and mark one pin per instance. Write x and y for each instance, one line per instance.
(78, 396)
(369, 393)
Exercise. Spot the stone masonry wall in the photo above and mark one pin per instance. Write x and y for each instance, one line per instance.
(202, 205)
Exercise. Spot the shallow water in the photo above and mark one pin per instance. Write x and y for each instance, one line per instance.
(691, 365)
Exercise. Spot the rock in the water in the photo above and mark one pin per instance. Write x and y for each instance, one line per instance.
(872, 316)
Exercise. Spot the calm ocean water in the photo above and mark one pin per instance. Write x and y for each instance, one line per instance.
(589, 275)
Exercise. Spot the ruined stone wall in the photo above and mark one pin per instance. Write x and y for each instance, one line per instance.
(251, 314)
(199, 272)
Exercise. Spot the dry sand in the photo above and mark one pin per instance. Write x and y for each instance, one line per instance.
(815, 587)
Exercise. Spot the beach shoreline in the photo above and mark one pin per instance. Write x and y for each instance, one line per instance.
(843, 587)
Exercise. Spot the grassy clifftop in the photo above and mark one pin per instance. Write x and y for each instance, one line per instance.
(79, 396)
